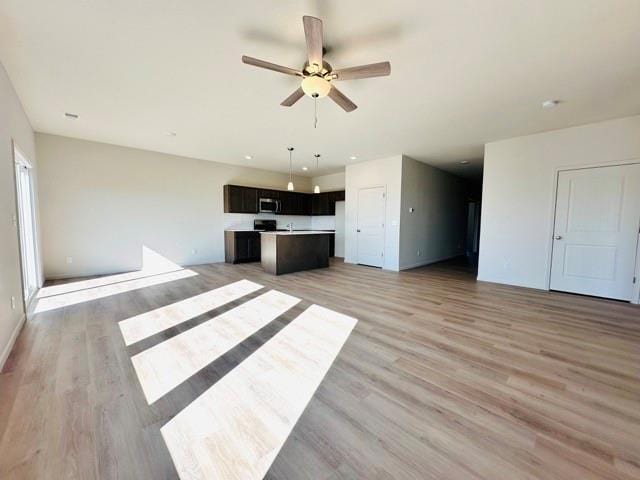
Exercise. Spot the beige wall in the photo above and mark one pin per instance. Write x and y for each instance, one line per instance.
(330, 183)
(101, 203)
(14, 126)
(518, 193)
(435, 230)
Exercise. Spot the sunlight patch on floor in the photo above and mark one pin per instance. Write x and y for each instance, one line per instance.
(155, 321)
(236, 428)
(152, 264)
(163, 367)
(89, 294)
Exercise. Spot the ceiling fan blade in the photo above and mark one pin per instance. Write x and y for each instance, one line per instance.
(313, 35)
(341, 99)
(381, 69)
(293, 98)
(270, 66)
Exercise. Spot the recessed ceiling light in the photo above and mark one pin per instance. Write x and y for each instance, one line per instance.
(170, 134)
(248, 157)
(305, 168)
(353, 157)
(550, 103)
(464, 162)
(73, 116)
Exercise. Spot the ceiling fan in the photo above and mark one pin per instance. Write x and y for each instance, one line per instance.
(318, 76)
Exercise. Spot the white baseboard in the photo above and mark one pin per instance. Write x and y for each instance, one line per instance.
(12, 341)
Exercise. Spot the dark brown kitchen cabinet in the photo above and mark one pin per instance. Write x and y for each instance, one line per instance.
(338, 196)
(320, 204)
(241, 246)
(240, 199)
(245, 200)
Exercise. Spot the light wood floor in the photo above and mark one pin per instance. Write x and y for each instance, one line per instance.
(443, 377)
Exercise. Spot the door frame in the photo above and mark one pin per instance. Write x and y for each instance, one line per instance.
(384, 236)
(24, 159)
(554, 193)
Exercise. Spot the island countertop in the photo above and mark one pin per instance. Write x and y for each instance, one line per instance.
(299, 232)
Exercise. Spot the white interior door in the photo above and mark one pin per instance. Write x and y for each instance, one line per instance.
(340, 230)
(370, 229)
(596, 231)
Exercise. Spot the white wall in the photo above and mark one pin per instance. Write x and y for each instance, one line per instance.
(436, 229)
(385, 172)
(14, 125)
(330, 183)
(101, 203)
(519, 188)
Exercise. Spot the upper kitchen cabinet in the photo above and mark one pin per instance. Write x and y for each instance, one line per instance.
(294, 203)
(240, 199)
(246, 200)
(338, 196)
(319, 204)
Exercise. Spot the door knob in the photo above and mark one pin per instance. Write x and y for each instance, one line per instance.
(558, 237)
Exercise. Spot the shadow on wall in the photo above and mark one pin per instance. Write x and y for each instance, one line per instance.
(156, 269)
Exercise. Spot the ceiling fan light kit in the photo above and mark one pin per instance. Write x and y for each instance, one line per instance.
(315, 87)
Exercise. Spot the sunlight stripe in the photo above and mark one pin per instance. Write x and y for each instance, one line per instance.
(146, 324)
(163, 367)
(236, 428)
(81, 296)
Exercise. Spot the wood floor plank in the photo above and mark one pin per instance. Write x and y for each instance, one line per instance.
(442, 377)
(237, 427)
(164, 366)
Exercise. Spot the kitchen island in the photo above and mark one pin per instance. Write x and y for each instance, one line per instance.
(291, 251)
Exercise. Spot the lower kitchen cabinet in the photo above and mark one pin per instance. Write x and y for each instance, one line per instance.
(241, 246)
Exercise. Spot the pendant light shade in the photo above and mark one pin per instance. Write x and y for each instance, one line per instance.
(316, 189)
(290, 184)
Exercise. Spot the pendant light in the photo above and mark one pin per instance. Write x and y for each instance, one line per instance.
(290, 184)
(316, 189)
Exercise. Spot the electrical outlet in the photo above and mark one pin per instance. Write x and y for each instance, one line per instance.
(194, 251)
(13, 303)
(69, 259)
(419, 253)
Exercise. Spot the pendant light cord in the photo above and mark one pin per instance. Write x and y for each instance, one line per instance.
(315, 111)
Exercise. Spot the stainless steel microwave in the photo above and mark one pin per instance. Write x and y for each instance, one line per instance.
(269, 205)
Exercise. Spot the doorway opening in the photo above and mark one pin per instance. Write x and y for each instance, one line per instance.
(26, 221)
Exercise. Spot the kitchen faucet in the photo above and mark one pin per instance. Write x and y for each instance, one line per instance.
(290, 226)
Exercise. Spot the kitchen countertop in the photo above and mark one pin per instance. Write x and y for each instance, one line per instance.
(299, 232)
(275, 231)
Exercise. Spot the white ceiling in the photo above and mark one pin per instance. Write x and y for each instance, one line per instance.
(464, 73)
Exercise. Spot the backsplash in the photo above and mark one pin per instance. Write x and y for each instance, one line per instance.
(323, 222)
(245, 220)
